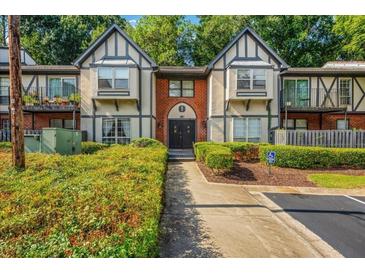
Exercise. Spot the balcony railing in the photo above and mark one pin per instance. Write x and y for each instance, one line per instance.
(315, 98)
(62, 98)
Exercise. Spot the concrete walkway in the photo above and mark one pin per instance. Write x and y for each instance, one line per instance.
(216, 220)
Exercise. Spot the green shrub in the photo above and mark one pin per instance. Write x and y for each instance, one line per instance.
(201, 149)
(107, 204)
(5, 146)
(219, 158)
(146, 142)
(92, 147)
(315, 157)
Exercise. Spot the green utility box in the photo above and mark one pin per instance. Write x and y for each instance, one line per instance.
(62, 141)
(54, 140)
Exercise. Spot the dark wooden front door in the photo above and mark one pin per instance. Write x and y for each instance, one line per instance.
(181, 133)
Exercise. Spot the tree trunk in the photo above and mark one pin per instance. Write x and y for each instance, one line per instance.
(15, 74)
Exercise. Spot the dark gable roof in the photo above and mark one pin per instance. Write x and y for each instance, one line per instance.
(44, 69)
(324, 71)
(105, 36)
(257, 37)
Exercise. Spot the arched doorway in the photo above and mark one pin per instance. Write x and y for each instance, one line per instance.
(182, 119)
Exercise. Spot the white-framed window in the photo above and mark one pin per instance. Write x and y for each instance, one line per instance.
(116, 131)
(5, 124)
(4, 90)
(345, 91)
(179, 88)
(247, 129)
(251, 79)
(62, 86)
(342, 124)
(296, 91)
(295, 123)
(113, 78)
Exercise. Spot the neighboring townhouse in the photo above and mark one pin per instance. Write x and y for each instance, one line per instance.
(117, 82)
(242, 95)
(330, 97)
(50, 94)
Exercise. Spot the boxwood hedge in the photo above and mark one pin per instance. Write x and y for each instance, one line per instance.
(106, 204)
(315, 157)
(92, 147)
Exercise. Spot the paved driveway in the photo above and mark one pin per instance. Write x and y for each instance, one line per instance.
(215, 220)
(337, 219)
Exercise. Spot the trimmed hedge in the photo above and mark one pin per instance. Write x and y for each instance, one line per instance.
(314, 157)
(92, 147)
(107, 204)
(146, 142)
(219, 158)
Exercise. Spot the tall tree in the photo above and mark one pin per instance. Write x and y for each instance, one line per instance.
(351, 30)
(16, 112)
(3, 27)
(60, 39)
(163, 38)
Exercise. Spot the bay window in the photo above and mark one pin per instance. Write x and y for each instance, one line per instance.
(247, 129)
(113, 78)
(116, 131)
(251, 79)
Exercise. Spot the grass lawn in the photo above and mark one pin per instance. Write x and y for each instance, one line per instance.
(105, 204)
(337, 180)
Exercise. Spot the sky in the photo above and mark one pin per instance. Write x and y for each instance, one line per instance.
(132, 19)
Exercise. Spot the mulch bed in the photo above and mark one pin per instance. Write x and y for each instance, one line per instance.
(257, 174)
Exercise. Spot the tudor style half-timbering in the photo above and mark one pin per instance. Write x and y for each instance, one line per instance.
(330, 97)
(117, 89)
(243, 85)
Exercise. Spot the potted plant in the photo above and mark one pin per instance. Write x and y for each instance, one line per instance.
(45, 100)
(57, 100)
(74, 98)
(29, 100)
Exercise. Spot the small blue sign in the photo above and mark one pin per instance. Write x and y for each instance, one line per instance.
(271, 157)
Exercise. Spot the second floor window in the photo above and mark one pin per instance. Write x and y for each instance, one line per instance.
(62, 87)
(179, 88)
(251, 79)
(4, 91)
(296, 91)
(113, 78)
(345, 92)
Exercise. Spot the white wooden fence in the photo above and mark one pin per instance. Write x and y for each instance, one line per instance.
(320, 138)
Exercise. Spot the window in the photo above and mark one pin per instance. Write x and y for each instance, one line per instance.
(5, 124)
(345, 91)
(69, 124)
(58, 123)
(62, 87)
(116, 131)
(296, 92)
(179, 88)
(289, 124)
(113, 78)
(4, 91)
(295, 124)
(251, 79)
(247, 129)
(342, 124)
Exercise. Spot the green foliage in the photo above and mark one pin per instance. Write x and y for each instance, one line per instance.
(92, 147)
(75, 98)
(337, 180)
(58, 40)
(146, 142)
(5, 146)
(314, 157)
(164, 38)
(219, 158)
(351, 30)
(103, 205)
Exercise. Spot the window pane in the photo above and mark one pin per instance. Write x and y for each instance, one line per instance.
(121, 73)
(108, 128)
(254, 129)
(243, 84)
(55, 88)
(123, 129)
(259, 79)
(105, 73)
(56, 123)
(5, 124)
(345, 87)
(188, 93)
(68, 87)
(121, 83)
(105, 83)
(175, 93)
(342, 124)
(290, 123)
(68, 124)
(188, 85)
(239, 129)
(302, 95)
(175, 84)
(243, 74)
(289, 91)
(301, 124)
(4, 86)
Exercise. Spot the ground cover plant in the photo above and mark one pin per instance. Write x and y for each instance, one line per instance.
(337, 180)
(92, 147)
(105, 204)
